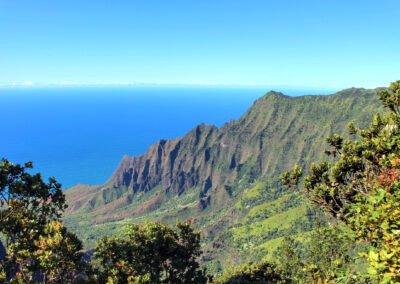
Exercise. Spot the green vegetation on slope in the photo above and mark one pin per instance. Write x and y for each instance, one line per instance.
(224, 179)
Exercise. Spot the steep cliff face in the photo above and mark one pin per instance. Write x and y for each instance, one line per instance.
(204, 173)
(176, 164)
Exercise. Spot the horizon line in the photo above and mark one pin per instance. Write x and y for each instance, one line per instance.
(30, 84)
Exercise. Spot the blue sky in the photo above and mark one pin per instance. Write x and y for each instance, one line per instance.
(322, 43)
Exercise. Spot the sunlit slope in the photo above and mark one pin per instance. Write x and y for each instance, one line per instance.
(224, 179)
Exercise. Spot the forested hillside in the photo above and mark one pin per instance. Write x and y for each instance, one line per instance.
(225, 179)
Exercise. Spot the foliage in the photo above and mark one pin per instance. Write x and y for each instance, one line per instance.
(328, 257)
(361, 188)
(151, 251)
(20, 191)
(265, 213)
(58, 253)
(289, 259)
(54, 257)
(38, 245)
(263, 272)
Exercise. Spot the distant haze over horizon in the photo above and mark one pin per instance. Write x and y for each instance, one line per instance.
(29, 85)
(318, 44)
(285, 89)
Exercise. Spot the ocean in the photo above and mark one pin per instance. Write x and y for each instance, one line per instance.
(79, 135)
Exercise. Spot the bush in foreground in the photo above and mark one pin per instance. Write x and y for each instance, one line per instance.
(264, 272)
(151, 253)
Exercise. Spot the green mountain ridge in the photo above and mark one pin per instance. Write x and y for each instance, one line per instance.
(225, 179)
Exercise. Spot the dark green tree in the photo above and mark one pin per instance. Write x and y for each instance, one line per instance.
(151, 252)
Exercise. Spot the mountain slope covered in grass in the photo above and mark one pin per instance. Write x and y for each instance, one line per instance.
(226, 179)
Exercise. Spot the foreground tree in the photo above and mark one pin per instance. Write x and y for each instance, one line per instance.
(52, 257)
(39, 248)
(151, 253)
(21, 192)
(362, 188)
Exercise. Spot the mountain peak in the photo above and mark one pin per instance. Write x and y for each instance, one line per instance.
(275, 94)
(272, 96)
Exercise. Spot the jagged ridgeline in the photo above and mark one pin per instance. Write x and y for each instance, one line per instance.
(226, 179)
